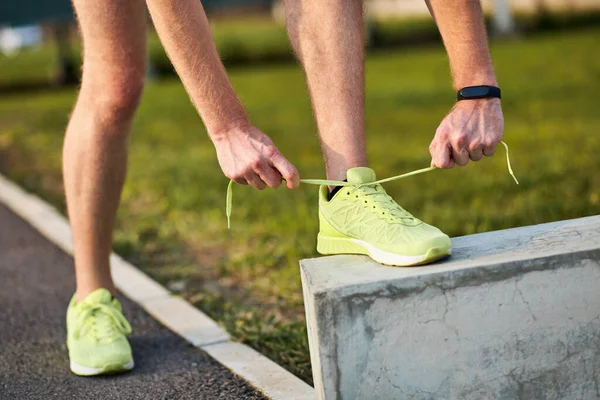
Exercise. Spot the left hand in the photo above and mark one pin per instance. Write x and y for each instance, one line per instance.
(471, 130)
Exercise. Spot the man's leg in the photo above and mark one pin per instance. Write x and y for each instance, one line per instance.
(95, 148)
(328, 38)
(329, 41)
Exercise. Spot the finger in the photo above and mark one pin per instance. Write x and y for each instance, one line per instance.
(432, 151)
(489, 150)
(240, 181)
(442, 156)
(270, 176)
(255, 181)
(476, 154)
(286, 169)
(460, 156)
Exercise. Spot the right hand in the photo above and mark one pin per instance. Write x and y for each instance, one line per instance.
(249, 157)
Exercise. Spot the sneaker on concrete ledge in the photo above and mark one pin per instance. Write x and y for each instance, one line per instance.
(96, 335)
(364, 219)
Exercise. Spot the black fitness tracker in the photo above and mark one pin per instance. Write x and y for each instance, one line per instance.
(478, 92)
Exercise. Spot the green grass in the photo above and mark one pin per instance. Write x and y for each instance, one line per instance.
(34, 64)
(172, 222)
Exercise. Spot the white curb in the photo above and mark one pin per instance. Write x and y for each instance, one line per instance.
(256, 368)
(174, 312)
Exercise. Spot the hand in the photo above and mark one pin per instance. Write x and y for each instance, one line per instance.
(471, 130)
(248, 156)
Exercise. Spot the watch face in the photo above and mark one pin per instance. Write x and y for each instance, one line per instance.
(475, 91)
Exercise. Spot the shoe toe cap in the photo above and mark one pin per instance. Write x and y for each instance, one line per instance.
(99, 355)
(422, 244)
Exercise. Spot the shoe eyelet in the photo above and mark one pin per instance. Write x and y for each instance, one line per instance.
(348, 193)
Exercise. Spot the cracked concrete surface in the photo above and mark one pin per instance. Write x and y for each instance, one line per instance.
(515, 315)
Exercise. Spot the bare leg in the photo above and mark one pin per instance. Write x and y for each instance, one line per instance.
(95, 148)
(328, 38)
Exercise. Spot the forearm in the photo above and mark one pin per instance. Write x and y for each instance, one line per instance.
(185, 33)
(462, 28)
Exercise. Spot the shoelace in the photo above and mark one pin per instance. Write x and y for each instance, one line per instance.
(328, 182)
(379, 199)
(101, 333)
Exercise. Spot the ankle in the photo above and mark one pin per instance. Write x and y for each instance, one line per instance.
(83, 293)
(338, 172)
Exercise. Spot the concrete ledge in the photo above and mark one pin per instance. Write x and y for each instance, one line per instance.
(512, 314)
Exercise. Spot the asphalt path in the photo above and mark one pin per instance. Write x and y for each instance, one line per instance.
(36, 284)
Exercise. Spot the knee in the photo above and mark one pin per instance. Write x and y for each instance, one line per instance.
(113, 101)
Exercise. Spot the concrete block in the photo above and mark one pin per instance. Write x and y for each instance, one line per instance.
(513, 314)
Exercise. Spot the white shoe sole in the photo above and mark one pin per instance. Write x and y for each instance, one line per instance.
(107, 369)
(330, 246)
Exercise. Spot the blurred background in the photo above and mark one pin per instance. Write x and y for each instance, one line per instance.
(172, 222)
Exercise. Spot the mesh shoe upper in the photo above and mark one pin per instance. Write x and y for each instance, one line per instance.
(96, 331)
(366, 212)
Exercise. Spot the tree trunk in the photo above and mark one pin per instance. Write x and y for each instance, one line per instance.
(504, 23)
(66, 73)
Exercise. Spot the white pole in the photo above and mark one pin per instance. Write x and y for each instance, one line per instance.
(503, 18)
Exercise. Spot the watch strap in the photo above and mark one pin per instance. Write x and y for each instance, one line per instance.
(478, 92)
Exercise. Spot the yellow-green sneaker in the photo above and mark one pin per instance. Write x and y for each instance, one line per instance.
(96, 335)
(364, 219)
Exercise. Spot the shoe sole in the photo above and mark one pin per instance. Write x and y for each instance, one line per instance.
(330, 246)
(108, 369)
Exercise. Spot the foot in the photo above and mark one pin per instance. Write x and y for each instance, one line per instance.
(364, 219)
(96, 335)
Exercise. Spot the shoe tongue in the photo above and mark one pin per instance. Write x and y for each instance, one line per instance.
(99, 296)
(360, 175)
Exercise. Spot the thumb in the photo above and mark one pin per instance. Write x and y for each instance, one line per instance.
(441, 156)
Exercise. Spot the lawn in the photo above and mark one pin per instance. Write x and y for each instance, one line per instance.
(172, 222)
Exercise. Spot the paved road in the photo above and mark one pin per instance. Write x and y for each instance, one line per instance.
(36, 284)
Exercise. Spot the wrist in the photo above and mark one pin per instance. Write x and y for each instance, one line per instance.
(480, 104)
(223, 129)
(487, 102)
(476, 79)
